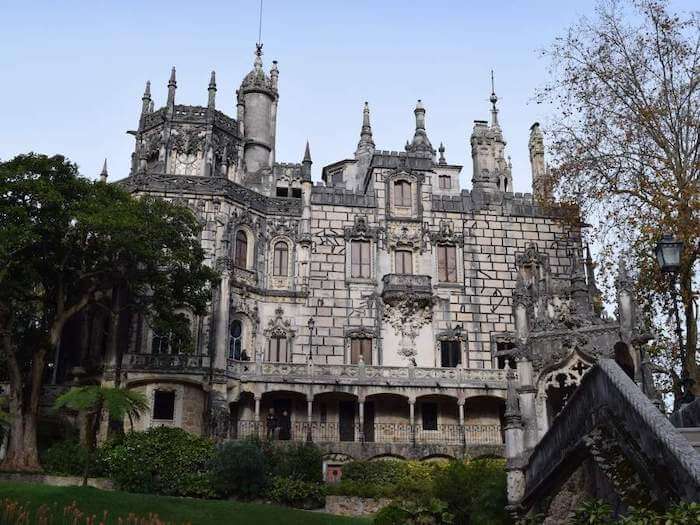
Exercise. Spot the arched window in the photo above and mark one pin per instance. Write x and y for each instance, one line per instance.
(402, 193)
(241, 253)
(235, 348)
(280, 265)
(160, 344)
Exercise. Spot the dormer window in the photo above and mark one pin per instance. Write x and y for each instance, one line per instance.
(403, 261)
(402, 194)
(445, 182)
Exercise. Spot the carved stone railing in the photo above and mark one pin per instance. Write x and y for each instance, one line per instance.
(397, 286)
(165, 362)
(398, 433)
(366, 374)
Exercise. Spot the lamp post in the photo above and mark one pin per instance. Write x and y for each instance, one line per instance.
(311, 325)
(669, 252)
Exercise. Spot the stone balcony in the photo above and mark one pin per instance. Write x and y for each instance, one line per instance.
(399, 286)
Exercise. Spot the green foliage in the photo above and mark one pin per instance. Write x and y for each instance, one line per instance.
(117, 402)
(302, 461)
(431, 511)
(239, 468)
(475, 491)
(361, 489)
(597, 512)
(297, 493)
(390, 471)
(68, 458)
(162, 460)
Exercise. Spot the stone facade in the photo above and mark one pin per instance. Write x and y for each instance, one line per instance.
(379, 305)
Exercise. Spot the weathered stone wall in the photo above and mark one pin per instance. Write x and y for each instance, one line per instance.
(354, 506)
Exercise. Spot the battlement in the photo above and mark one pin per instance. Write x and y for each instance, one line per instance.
(328, 195)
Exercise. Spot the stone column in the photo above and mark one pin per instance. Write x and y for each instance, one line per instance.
(361, 415)
(309, 416)
(462, 430)
(412, 418)
(526, 394)
(514, 444)
(257, 398)
(222, 314)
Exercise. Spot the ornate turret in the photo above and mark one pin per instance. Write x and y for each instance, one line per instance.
(492, 172)
(146, 102)
(420, 142)
(257, 110)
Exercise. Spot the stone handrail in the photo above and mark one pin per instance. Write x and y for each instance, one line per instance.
(608, 398)
(165, 362)
(366, 374)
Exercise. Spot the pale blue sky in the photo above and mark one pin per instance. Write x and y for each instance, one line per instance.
(73, 72)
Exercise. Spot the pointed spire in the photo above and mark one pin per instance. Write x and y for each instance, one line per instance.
(146, 99)
(103, 173)
(441, 149)
(172, 86)
(274, 74)
(212, 91)
(366, 144)
(493, 99)
(420, 143)
(306, 163)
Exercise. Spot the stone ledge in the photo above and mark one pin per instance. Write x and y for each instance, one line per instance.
(354, 506)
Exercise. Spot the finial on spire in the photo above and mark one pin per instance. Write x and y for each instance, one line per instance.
(146, 99)
(212, 80)
(172, 81)
(103, 173)
(441, 149)
(493, 99)
(147, 91)
(307, 153)
(306, 163)
(366, 144)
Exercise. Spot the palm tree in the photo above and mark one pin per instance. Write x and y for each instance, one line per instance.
(117, 402)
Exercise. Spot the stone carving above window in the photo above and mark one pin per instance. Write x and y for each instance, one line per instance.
(446, 235)
(407, 317)
(279, 327)
(361, 230)
(405, 235)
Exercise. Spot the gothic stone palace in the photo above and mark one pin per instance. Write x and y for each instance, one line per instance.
(380, 308)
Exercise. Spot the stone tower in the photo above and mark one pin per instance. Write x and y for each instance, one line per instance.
(257, 120)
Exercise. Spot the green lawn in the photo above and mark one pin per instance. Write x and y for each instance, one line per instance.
(176, 510)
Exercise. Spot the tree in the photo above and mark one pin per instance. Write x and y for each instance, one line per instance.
(93, 400)
(625, 138)
(68, 243)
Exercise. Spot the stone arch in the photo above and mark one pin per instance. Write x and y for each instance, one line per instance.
(483, 419)
(250, 246)
(283, 279)
(246, 337)
(438, 457)
(387, 457)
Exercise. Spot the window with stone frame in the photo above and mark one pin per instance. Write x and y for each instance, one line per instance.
(241, 250)
(160, 343)
(280, 263)
(361, 346)
(360, 265)
(235, 347)
(445, 182)
(277, 350)
(403, 261)
(164, 405)
(447, 263)
(429, 416)
(450, 354)
(505, 361)
(402, 193)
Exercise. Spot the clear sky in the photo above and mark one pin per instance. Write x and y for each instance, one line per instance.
(72, 72)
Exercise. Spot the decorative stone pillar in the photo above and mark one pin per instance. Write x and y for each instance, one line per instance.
(361, 415)
(515, 476)
(526, 394)
(257, 398)
(309, 416)
(460, 406)
(222, 314)
(412, 418)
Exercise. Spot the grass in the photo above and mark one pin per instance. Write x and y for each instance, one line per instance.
(177, 510)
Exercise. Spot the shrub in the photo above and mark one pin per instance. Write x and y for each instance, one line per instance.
(361, 489)
(68, 458)
(297, 493)
(299, 461)
(239, 468)
(162, 460)
(429, 511)
(475, 491)
(380, 472)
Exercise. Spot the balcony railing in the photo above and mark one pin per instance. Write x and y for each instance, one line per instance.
(397, 286)
(165, 361)
(396, 433)
(365, 374)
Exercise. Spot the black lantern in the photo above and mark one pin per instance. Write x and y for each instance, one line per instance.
(668, 254)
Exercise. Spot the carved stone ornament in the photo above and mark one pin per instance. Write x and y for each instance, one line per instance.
(279, 327)
(360, 230)
(188, 141)
(446, 235)
(531, 257)
(407, 317)
(283, 228)
(360, 332)
(404, 235)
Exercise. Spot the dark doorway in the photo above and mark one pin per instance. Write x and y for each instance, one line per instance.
(283, 422)
(369, 421)
(346, 420)
(429, 413)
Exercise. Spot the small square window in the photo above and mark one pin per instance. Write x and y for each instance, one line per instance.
(282, 192)
(164, 405)
(296, 193)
